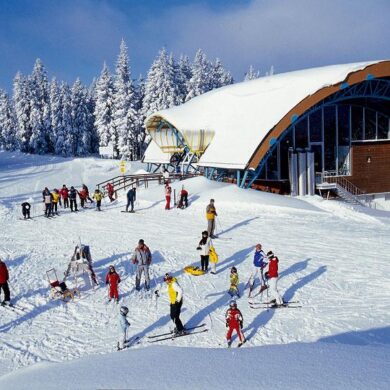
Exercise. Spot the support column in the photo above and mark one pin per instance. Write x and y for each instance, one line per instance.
(302, 176)
(310, 174)
(293, 172)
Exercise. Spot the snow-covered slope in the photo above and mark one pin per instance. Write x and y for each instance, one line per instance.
(333, 259)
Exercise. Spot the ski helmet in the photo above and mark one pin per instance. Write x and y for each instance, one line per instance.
(270, 254)
(233, 270)
(124, 310)
(233, 303)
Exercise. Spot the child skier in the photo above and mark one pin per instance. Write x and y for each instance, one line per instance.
(234, 321)
(204, 248)
(4, 276)
(234, 280)
(183, 202)
(124, 324)
(175, 293)
(113, 279)
(98, 196)
(55, 196)
(168, 191)
(64, 192)
(110, 191)
(273, 278)
(258, 266)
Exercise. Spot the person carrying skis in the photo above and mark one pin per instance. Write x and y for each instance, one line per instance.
(83, 197)
(113, 279)
(175, 294)
(183, 202)
(124, 325)
(110, 191)
(234, 321)
(273, 278)
(55, 199)
(168, 192)
(64, 192)
(258, 268)
(131, 199)
(143, 258)
(47, 199)
(85, 188)
(4, 276)
(98, 196)
(204, 248)
(234, 280)
(73, 199)
(211, 213)
(26, 210)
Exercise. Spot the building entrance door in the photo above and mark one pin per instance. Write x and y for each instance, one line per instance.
(317, 148)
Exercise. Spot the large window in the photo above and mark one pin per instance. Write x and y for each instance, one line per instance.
(370, 124)
(357, 123)
(315, 122)
(285, 144)
(383, 127)
(330, 140)
(272, 166)
(301, 134)
(343, 139)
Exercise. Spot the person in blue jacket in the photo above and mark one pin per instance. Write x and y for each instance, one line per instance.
(124, 324)
(258, 266)
(130, 199)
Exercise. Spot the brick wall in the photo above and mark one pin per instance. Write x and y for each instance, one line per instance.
(373, 176)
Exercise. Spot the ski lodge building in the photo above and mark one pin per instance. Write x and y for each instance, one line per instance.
(319, 129)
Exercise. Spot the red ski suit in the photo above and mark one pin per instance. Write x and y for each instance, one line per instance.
(233, 321)
(168, 191)
(113, 279)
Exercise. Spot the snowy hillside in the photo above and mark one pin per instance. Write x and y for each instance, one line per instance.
(333, 260)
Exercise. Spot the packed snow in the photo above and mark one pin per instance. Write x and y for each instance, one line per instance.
(333, 260)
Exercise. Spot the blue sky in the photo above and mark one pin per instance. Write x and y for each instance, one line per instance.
(74, 37)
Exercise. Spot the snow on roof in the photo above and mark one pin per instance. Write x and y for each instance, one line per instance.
(153, 154)
(242, 114)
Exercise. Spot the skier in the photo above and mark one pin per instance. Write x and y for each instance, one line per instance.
(64, 192)
(142, 257)
(183, 202)
(4, 276)
(273, 278)
(26, 210)
(234, 321)
(124, 324)
(234, 280)
(204, 248)
(113, 279)
(110, 191)
(83, 194)
(130, 199)
(175, 294)
(166, 176)
(211, 213)
(55, 199)
(258, 267)
(168, 191)
(98, 196)
(47, 199)
(81, 257)
(85, 188)
(73, 199)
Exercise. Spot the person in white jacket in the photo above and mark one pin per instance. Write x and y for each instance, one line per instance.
(204, 248)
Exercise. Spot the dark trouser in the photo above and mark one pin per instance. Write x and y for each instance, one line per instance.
(54, 208)
(73, 204)
(26, 214)
(82, 201)
(47, 209)
(175, 315)
(183, 201)
(5, 288)
(66, 203)
(204, 262)
(98, 204)
(130, 202)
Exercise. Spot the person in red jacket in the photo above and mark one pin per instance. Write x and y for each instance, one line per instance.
(4, 276)
(110, 191)
(168, 192)
(273, 278)
(113, 279)
(83, 194)
(183, 202)
(234, 321)
(64, 192)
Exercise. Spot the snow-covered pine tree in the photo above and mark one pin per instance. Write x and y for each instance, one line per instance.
(271, 71)
(55, 111)
(104, 110)
(91, 103)
(251, 74)
(219, 75)
(40, 110)
(201, 80)
(64, 140)
(139, 93)
(21, 102)
(124, 114)
(183, 76)
(7, 123)
(160, 88)
(80, 120)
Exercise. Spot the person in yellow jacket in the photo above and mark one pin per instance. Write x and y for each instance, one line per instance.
(98, 196)
(175, 294)
(211, 213)
(55, 199)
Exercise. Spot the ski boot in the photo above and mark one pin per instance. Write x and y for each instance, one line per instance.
(229, 344)
(241, 343)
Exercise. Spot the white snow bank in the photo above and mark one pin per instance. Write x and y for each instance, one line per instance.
(292, 366)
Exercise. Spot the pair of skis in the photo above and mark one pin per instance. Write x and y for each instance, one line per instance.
(171, 336)
(273, 305)
(14, 308)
